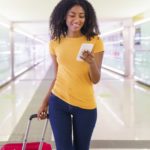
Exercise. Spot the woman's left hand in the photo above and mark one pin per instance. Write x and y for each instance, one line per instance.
(88, 57)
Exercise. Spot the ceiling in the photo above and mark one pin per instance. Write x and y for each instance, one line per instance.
(33, 15)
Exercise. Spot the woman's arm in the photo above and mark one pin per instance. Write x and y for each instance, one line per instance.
(55, 65)
(95, 62)
(95, 67)
(43, 109)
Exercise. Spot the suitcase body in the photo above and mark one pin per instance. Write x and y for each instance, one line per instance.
(31, 145)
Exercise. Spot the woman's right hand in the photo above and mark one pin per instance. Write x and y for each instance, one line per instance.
(42, 112)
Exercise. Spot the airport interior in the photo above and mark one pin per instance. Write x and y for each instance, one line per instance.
(122, 94)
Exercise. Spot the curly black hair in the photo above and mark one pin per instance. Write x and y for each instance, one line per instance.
(58, 25)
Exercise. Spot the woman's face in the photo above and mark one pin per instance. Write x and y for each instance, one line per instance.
(75, 19)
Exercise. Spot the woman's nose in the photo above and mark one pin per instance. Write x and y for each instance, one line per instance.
(77, 19)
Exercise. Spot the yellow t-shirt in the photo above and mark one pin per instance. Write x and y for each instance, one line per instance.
(73, 84)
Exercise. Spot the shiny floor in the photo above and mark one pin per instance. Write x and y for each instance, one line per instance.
(123, 110)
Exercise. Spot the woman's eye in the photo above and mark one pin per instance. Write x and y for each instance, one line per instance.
(72, 16)
(82, 16)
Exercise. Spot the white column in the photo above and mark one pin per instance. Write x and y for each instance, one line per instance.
(12, 49)
(128, 34)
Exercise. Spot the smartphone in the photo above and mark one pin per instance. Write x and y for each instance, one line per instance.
(84, 47)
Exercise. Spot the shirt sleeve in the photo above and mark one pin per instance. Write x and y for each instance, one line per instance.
(99, 45)
(51, 47)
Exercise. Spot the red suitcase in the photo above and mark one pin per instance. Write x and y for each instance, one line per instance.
(30, 146)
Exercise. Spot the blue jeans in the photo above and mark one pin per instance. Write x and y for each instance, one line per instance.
(72, 126)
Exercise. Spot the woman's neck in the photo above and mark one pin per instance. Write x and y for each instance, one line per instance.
(74, 35)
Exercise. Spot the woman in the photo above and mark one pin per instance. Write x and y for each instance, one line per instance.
(70, 100)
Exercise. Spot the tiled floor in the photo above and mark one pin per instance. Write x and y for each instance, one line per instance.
(123, 109)
(15, 98)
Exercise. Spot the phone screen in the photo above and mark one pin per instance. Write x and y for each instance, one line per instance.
(84, 47)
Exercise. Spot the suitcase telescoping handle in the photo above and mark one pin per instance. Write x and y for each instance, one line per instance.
(27, 132)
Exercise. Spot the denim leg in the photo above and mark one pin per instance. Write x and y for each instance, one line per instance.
(83, 125)
(61, 123)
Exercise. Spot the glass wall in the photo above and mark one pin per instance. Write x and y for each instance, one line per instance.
(28, 51)
(5, 57)
(40, 51)
(21, 53)
(142, 53)
(114, 52)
